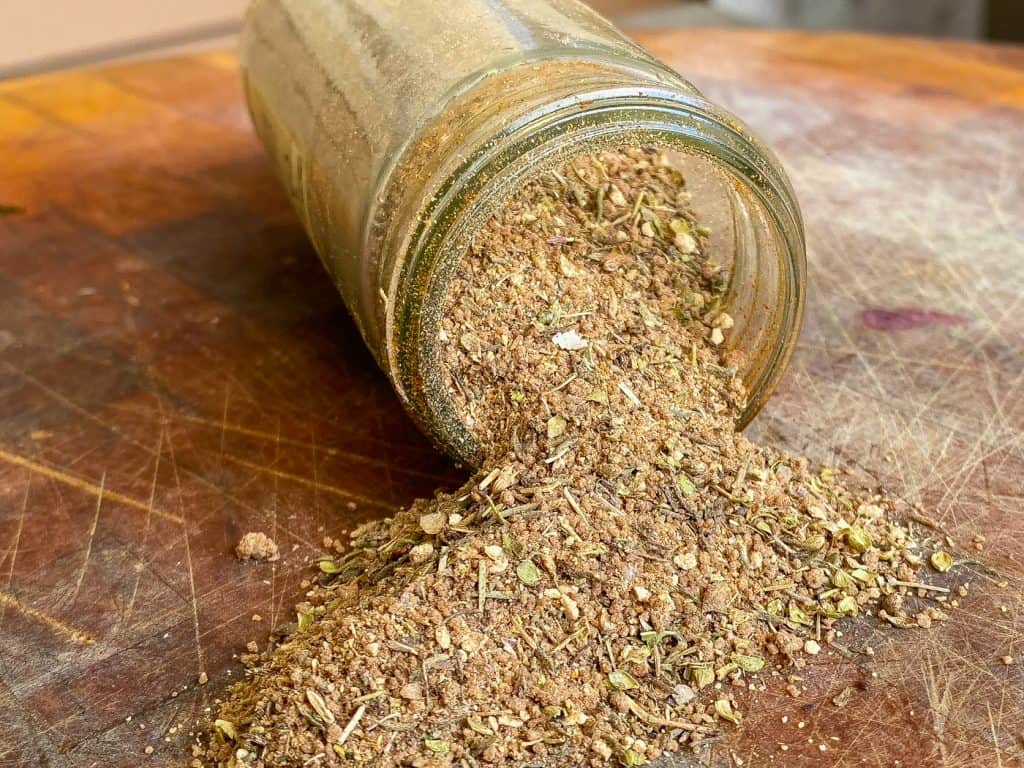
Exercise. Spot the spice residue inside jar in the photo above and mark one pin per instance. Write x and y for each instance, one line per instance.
(623, 549)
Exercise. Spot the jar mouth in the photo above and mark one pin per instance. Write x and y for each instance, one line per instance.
(767, 222)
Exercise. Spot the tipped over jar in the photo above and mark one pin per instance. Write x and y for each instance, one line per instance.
(399, 126)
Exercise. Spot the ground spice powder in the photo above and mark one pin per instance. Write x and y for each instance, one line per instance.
(624, 560)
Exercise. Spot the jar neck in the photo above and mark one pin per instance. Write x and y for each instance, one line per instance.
(506, 150)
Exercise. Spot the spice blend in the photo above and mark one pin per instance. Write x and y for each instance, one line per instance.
(623, 561)
(256, 545)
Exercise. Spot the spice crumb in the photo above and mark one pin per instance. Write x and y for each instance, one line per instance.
(257, 546)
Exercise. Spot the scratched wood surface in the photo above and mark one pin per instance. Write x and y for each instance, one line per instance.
(175, 370)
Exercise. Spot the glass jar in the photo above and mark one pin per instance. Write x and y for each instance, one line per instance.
(398, 126)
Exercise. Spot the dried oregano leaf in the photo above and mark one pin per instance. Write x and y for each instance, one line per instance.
(702, 676)
(621, 681)
(723, 708)
(330, 566)
(528, 572)
(555, 427)
(857, 539)
(748, 663)
(632, 757)
(941, 561)
(685, 485)
(438, 746)
(226, 729)
(798, 615)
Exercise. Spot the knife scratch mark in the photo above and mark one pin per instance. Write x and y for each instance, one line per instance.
(224, 415)
(200, 658)
(309, 483)
(91, 537)
(13, 551)
(191, 473)
(995, 737)
(84, 485)
(145, 531)
(58, 626)
(226, 426)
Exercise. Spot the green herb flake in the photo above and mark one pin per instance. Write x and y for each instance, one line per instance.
(632, 757)
(848, 605)
(528, 572)
(798, 616)
(652, 638)
(685, 485)
(813, 543)
(857, 539)
(862, 575)
(841, 579)
(941, 561)
(747, 663)
(702, 676)
(511, 545)
(621, 681)
(556, 427)
(437, 746)
(226, 729)
(725, 670)
(723, 708)
(330, 566)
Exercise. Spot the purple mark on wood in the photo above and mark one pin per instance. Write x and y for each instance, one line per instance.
(905, 319)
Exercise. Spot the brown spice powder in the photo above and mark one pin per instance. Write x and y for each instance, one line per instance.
(623, 559)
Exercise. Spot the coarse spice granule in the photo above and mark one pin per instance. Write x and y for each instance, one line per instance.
(624, 560)
(256, 545)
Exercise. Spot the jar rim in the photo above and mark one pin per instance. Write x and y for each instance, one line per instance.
(655, 116)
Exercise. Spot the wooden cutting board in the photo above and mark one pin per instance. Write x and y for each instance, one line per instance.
(175, 370)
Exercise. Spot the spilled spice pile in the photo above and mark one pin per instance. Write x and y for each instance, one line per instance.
(625, 560)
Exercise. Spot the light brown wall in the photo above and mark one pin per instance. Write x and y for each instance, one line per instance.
(38, 34)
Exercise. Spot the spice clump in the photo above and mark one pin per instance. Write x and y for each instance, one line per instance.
(256, 545)
(624, 563)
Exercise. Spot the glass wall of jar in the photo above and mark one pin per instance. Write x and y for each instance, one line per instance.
(398, 126)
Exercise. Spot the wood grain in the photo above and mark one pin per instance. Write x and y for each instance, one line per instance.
(176, 370)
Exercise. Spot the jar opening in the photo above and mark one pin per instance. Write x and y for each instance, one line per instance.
(755, 229)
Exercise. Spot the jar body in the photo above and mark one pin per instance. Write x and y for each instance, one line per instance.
(397, 126)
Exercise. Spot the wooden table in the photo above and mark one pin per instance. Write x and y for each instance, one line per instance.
(175, 370)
